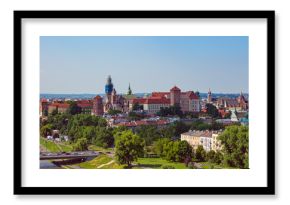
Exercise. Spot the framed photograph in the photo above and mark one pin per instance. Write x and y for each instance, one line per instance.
(144, 102)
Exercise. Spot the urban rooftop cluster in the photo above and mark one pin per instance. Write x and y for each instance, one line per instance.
(161, 119)
(150, 106)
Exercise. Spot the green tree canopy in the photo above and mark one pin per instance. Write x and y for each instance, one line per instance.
(212, 110)
(180, 127)
(158, 146)
(177, 151)
(81, 145)
(137, 106)
(149, 133)
(210, 156)
(114, 112)
(46, 130)
(170, 111)
(74, 108)
(128, 147)
(135, 116)
(200, 153)
(184, 152)
(235, 143)
(104, 137)
(54, 112)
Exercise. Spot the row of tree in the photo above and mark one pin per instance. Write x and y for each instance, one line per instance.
(176, 151)
(85, 129)
(234, 153)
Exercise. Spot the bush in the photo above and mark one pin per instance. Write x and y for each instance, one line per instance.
(191, 166)
(210, 156)
(200, 153)
(81, 145)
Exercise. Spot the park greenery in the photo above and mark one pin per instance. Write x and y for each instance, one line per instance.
(137, 107)
(128, 147)
(235, 141)
(174, 110)
(131, 147)
(114, 112)
(212, 111)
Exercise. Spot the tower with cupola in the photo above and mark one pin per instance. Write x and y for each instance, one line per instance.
(209, 97)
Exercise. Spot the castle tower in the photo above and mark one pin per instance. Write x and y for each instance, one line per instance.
(98, 106)
(109, 89)
(175, 93)
(242, 101)
(209, 97)
(114, 97)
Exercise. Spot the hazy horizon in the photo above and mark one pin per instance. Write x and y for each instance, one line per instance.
(81, 65)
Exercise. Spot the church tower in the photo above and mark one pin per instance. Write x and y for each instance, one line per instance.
(109, 89)
(209, 97)
(129, 90)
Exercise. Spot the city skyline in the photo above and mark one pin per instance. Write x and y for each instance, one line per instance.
(81, 65)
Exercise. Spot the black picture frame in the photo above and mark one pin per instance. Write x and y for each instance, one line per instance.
(268, 190)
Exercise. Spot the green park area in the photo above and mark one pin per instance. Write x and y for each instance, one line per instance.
(146, 147)
(51, 146)
(157, 163)
(101, 162)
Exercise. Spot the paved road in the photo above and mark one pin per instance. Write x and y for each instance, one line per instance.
(110, 162)
(67, 155)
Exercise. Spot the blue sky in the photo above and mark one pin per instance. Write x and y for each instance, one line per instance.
(72, 64)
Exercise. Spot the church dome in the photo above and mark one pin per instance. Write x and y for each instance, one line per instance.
(109, 85)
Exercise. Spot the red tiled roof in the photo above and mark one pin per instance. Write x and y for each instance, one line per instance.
(175, 89)
(160, 94)
(191, 95)
(84, 105)
(204, 110)
(84, 101)
(142, 122)
(60, 105)
(138, 123)
(43, 100)
(98, 97)
(162, 122)
(138, 100)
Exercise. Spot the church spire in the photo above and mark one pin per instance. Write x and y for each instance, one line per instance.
(129, 90)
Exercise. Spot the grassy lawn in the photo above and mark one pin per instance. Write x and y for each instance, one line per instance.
(94, 163)
(49, 145)
(100, 149)
(113, 166)
(157, 163)
(54, 147)
(65, 148)
(209, 165)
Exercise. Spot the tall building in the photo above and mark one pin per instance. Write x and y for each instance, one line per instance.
(112, 100)
(98, 108)
(129, 90)
(209, 97)
(44, 107)
(188, 101)
(175, 96)
(109, 89)
(243, 102)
